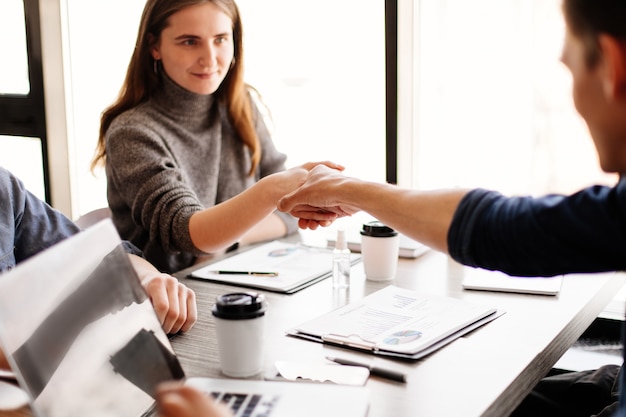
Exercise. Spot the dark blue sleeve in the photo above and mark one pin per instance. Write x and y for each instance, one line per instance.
(550, 235)
(27, 224)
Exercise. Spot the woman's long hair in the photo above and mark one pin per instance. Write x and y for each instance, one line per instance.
(142, 80)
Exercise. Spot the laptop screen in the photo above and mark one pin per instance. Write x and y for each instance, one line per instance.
(80, 332)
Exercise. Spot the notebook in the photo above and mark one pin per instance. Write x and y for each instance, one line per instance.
(83, 339)
(480, 279)
(273, 266)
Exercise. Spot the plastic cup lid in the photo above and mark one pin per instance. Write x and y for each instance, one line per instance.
(377, 229)
(239, 305)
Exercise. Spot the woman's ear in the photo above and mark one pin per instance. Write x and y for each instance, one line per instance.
(154, 47)
(614, 60)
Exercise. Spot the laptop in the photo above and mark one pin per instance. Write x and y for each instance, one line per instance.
(83, 339)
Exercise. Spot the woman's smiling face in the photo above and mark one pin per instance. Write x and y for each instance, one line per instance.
(196, 48)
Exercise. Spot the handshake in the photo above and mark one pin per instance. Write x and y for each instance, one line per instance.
(321, 195)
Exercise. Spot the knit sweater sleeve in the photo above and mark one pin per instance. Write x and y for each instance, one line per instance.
(145, 179)
(542, 236)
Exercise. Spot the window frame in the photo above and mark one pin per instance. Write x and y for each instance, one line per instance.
(24, 115)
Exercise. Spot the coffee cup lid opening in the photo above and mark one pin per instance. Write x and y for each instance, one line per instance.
(239, 306)
(377, 229)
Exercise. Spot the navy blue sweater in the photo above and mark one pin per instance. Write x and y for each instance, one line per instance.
(551, 235)
(545, 236)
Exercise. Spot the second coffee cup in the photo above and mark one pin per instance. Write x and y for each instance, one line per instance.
(240, 327)
(380, 246)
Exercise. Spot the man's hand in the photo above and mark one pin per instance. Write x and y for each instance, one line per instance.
(176, 400)
(317, 202)
(174, 303)
(4, 365)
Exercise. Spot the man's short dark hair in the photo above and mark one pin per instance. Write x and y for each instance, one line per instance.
(587, 19)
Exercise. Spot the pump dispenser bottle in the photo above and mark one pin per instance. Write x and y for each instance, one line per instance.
(341, 261)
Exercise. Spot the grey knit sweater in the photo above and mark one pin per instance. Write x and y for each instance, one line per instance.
(170, 157)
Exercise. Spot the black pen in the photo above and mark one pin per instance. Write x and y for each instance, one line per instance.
(255, 273)
(374, 370)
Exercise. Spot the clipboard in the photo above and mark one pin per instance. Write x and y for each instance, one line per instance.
(397, 322)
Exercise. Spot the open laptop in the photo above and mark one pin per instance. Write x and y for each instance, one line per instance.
(83, 339)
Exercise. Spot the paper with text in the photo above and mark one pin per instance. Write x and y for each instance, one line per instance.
(396, 320)
(296, 266)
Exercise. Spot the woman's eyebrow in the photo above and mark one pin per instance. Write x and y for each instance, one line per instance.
(187, 36)
(190, 36)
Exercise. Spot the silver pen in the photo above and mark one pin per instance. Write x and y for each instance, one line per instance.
(374, 370)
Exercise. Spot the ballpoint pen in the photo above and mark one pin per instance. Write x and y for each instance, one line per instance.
(374, 370)
(255, 273)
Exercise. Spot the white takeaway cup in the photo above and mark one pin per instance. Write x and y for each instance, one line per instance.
(240, 328)
(380, 246)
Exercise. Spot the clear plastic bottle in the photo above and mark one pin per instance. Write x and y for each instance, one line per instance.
(341, 261)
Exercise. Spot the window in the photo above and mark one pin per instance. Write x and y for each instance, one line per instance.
(492, 101)
(14, 77)
(22, 120)
(22, 156)
(320, 66)
(99, 55)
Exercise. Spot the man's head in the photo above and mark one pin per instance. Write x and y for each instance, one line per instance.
(595, 53)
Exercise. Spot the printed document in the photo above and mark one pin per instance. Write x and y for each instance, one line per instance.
(397, 322)
(274, 266)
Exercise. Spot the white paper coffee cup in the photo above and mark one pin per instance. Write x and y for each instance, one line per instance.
(380, 246)
(240, 329)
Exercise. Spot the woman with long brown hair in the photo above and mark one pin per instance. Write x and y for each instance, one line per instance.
(190, 165)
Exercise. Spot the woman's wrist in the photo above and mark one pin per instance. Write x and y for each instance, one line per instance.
(275, 186)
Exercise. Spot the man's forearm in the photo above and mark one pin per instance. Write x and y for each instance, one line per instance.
(422, 215)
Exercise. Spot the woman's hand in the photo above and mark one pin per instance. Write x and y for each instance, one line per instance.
(289, 180)
(317, 201)
(173, 302)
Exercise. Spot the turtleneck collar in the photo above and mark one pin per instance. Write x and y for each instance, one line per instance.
(181, 103)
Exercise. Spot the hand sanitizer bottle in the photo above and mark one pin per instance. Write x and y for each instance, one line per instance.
(341, 261)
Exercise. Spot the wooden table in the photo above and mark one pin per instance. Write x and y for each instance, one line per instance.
(486, 373)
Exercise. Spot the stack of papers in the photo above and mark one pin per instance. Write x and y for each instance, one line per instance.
(397, 322)
(274, 266)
